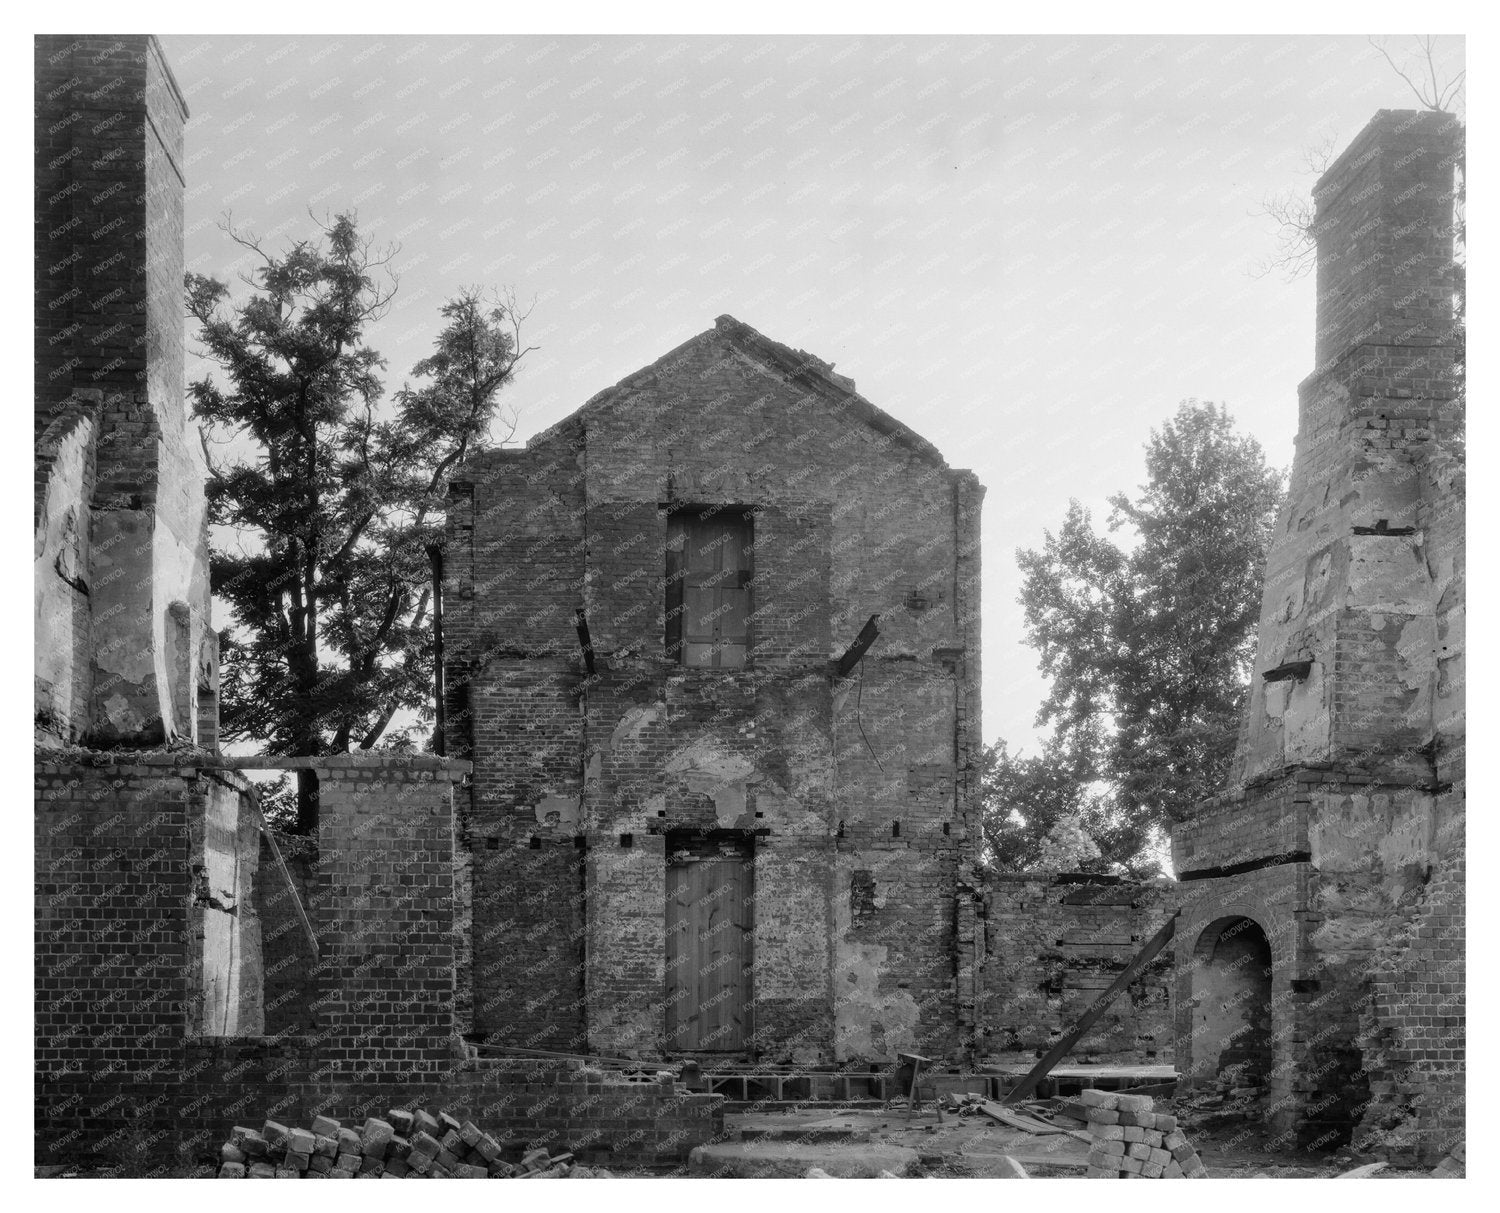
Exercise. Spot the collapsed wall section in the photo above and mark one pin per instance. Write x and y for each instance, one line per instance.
(1053, 945)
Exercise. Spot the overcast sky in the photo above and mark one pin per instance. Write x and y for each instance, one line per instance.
(1029, 249)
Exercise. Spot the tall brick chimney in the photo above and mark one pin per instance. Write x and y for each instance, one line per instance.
(1356, 572)
(125, 654)
(1334, 860)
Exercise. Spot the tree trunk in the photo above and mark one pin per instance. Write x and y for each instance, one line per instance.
(307, 803)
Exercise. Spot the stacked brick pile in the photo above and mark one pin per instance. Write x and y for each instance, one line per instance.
(1131, 1141)
(405, 1145)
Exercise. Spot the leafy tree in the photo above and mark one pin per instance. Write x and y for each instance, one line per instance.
(333, 501)
(1148, 645)
(1028, 800)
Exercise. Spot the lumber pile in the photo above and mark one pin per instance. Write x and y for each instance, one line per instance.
(402, 1145)
(1129, 1140)
(965, 1103)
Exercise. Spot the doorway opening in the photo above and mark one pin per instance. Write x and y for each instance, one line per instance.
(710, 920)
(1232, 1004)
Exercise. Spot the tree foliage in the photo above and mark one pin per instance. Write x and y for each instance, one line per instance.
(1147, 644)
(332, 499)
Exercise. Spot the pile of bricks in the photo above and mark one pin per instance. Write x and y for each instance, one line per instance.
(405, 1145)
(1128, 1140)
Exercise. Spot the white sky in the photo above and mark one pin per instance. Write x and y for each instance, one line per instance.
(1027, 248)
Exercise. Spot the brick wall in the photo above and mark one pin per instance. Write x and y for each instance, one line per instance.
(113, 889)
(1052, 947)
(598, 1115)
(148, 957)
(852, 516)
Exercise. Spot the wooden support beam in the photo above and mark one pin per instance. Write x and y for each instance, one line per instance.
(863, 641)
(287, 875)
(1090, 1017)
(582, 625)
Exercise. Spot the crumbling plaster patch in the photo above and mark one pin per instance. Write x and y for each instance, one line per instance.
(60, 575)
(559, 811)
(1387, 574)
(1302, 709)
(869, 1021)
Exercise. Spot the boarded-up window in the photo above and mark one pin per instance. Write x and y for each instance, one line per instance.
(708, 587)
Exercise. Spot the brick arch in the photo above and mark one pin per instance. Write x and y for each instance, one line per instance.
(1231, 1005)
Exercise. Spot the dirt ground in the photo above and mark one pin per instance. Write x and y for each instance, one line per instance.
(975, 1146)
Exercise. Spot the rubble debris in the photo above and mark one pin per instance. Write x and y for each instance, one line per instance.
(1452, 1166)
(405, 1145)
(1131, 1139)
(1364, 1172)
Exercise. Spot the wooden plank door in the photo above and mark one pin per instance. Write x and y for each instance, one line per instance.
(708, 952)
(714, 588)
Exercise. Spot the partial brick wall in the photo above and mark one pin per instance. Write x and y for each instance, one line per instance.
(1413, 1030)
(148, 960)
(385, 916)
(113, 952)
(596, 1114)
(1052, 947)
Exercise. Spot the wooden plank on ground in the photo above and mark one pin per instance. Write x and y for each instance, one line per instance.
(1027, 1124)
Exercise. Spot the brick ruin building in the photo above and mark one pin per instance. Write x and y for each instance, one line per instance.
(711, 711)
(177, 991)
(705, 817)
(1320, 949)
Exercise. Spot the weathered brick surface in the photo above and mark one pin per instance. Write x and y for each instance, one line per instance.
(839, 781)
(1340, 834)
(148, 960)
(130, 524)
(1052, 947)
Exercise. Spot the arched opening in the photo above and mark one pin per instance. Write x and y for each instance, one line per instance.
(1232, 1004)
